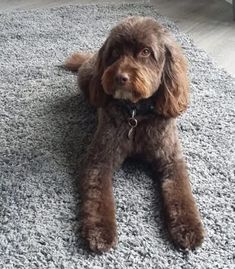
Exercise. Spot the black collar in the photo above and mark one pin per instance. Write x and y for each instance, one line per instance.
(141, 108)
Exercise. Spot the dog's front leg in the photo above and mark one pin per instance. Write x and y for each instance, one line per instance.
(181, 213)
(98, 207)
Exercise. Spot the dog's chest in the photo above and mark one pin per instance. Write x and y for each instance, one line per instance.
(153, 139)
(138, 133)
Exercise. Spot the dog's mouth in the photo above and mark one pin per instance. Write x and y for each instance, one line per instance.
(129, 95)
(125, 95)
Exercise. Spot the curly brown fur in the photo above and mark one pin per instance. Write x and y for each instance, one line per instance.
(138, 61)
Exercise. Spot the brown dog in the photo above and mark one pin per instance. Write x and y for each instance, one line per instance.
(138, 81)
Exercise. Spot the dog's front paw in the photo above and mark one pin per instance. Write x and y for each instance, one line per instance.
(100, 236)
(186, 233)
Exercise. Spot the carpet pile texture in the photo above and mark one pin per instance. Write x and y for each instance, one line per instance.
(46, 127)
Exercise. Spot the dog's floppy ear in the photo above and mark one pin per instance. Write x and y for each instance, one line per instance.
(97, 96)
(173, 93)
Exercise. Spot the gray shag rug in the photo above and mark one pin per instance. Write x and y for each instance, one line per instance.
(45, 130)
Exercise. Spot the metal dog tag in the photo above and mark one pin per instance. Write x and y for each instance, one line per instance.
(132, 123)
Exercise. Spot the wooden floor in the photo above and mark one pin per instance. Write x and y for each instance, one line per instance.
(209, 22)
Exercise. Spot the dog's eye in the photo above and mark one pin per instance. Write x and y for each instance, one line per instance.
(145, 52)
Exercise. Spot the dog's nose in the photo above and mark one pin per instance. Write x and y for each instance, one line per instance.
(122, 78)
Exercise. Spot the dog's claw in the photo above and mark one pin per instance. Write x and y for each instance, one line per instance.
(101, 238)
(187, 236)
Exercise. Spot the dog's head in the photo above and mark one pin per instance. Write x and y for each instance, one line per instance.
(139, 59)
